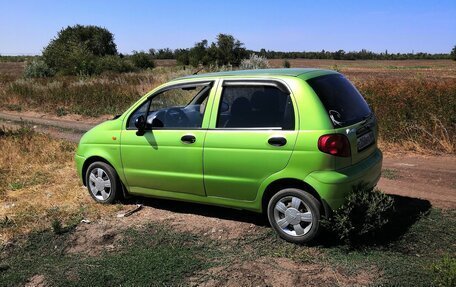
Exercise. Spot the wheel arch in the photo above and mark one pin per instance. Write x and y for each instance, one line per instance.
(88, 162)
(282, 183)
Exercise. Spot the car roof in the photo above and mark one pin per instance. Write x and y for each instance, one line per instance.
(303, 73)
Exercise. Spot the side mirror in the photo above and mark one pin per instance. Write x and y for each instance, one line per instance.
(140, 124)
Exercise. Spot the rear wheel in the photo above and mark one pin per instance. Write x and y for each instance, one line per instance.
(295, 215)
(103, 182)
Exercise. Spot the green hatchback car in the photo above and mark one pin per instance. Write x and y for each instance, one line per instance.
(287, 142)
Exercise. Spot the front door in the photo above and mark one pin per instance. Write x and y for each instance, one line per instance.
(168, 156)
(251, 136)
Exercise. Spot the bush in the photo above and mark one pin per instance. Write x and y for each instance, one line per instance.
(362, 217)
(142, 60)
(445, 272)
(75, 49)
(37, 68)
(114, 64)
(286, 64)
(254, 62)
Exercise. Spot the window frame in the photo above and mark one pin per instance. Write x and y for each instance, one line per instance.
(280, 85)
(149, 98)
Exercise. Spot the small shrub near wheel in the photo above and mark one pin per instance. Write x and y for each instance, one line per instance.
(362, 217)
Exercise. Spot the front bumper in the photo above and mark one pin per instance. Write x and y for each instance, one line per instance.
(79, 165)
(334, 186)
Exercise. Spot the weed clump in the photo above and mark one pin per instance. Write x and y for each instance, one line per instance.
(362, 217)
(444, 272)
(57, 227)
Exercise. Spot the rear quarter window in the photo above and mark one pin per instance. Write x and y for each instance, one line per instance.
(342, 101)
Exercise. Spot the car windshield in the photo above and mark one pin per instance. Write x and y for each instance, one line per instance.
(343, 102)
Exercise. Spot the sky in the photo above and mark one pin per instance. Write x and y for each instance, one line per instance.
(26, 27)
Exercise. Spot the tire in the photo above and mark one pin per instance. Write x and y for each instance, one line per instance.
(101, 175)
(295, 215)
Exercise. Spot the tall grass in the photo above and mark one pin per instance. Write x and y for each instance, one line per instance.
(91, 96)
(420, 112)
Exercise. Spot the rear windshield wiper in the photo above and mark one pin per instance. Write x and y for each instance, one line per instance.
(333, 113)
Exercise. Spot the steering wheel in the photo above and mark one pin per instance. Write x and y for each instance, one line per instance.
(175, 117)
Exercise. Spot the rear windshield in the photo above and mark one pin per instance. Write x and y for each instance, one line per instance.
(343, 102)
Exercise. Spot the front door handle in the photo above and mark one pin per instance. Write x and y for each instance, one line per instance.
(189, 139)
(277, 141)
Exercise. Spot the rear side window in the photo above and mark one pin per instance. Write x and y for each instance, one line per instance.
(343, 102)
(255, 106)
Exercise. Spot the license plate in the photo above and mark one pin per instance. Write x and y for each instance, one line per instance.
(365, 140)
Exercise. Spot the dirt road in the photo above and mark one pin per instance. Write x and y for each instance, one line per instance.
(432, 178)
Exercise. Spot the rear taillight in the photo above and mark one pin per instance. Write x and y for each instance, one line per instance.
(334, 144)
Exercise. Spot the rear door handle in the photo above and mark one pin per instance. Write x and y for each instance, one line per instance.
(189, 139)
(277, 141)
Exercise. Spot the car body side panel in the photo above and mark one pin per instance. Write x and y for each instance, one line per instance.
(160, 160)
(101, 141)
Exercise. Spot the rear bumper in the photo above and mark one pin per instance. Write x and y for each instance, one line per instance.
(333, 186)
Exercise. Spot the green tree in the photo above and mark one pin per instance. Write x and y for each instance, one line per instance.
(226, 50)
(230, 50)
(339, 55)
(142, 60)
(75, 49)
(453, 53)
(182, 56)
(198, 54)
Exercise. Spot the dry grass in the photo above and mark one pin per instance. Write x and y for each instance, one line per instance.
(91, 96)
(38, 184)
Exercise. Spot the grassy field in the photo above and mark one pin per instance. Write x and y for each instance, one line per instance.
(414, 100)
(42, 203)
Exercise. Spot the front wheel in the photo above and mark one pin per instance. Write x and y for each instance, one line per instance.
(295, 215)
(103, 183)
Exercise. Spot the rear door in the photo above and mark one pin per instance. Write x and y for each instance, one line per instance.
(349, 113)
(251, 136)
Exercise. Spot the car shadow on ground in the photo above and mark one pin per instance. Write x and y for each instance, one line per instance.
(201, 209)
(407, 211)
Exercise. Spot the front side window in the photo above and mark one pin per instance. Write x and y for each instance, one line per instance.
(255, 106)
(176, 108)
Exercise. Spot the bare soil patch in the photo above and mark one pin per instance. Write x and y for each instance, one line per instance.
(267, 271)
(214, 222)
(431, 178)
(36, 281)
